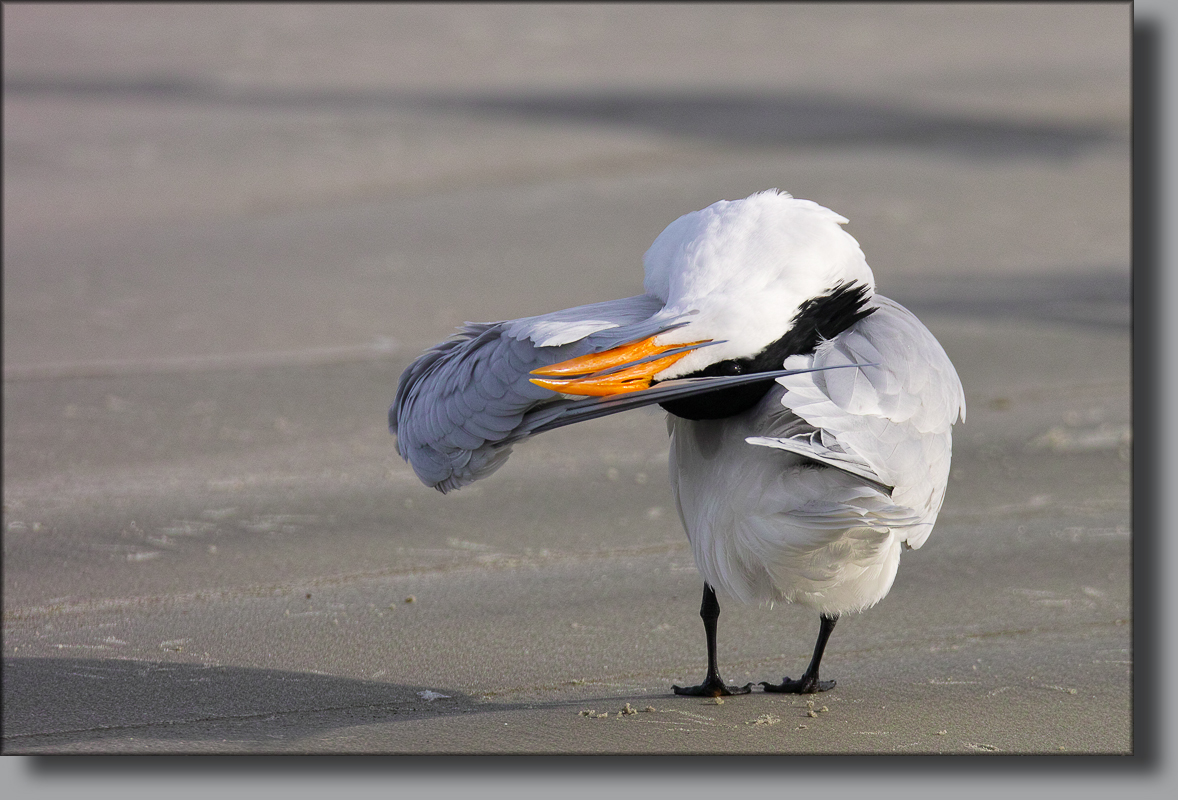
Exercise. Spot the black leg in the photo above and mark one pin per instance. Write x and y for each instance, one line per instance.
(713, 685)
(809, 683)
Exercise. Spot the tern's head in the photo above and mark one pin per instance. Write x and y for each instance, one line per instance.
(744, 270)
(745, 284)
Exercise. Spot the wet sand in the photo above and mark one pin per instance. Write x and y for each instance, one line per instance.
(221, 252)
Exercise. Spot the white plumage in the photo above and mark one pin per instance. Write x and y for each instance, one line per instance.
(776, 523)
(802, 489)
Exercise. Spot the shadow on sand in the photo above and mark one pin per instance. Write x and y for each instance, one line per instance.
(757, 119)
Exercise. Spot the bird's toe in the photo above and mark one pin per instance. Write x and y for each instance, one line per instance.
(801, 686)
(712, 689)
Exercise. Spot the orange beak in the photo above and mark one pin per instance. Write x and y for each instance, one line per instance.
(586, 370)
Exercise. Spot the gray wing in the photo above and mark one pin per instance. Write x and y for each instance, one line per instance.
(463, 403)
(889, 423)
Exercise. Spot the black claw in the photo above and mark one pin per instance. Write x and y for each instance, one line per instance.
(712, 689)
(809, 683)
(802, 686)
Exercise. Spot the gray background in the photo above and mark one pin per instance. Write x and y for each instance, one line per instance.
(227, 231)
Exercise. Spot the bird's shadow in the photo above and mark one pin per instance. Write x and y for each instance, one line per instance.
(54, 704)
(57, 702)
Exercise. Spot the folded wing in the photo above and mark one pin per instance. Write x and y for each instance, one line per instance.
(888, 422)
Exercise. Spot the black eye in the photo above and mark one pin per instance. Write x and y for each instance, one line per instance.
(723, 369)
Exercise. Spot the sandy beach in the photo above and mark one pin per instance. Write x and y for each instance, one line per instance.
(228, 230)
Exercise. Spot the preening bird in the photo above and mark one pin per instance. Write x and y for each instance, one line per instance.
(810, 418)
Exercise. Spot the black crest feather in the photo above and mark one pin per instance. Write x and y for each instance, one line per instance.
(819, 318)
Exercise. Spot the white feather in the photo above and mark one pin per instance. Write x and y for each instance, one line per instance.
(807, 497)
(743, 268)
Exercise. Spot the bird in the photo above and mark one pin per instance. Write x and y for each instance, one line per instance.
(810, 418)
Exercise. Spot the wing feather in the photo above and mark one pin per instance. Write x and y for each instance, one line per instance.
(463, 403)
(888, 421)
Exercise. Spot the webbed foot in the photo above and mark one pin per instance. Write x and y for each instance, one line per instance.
(804, 685)
(712, 687)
